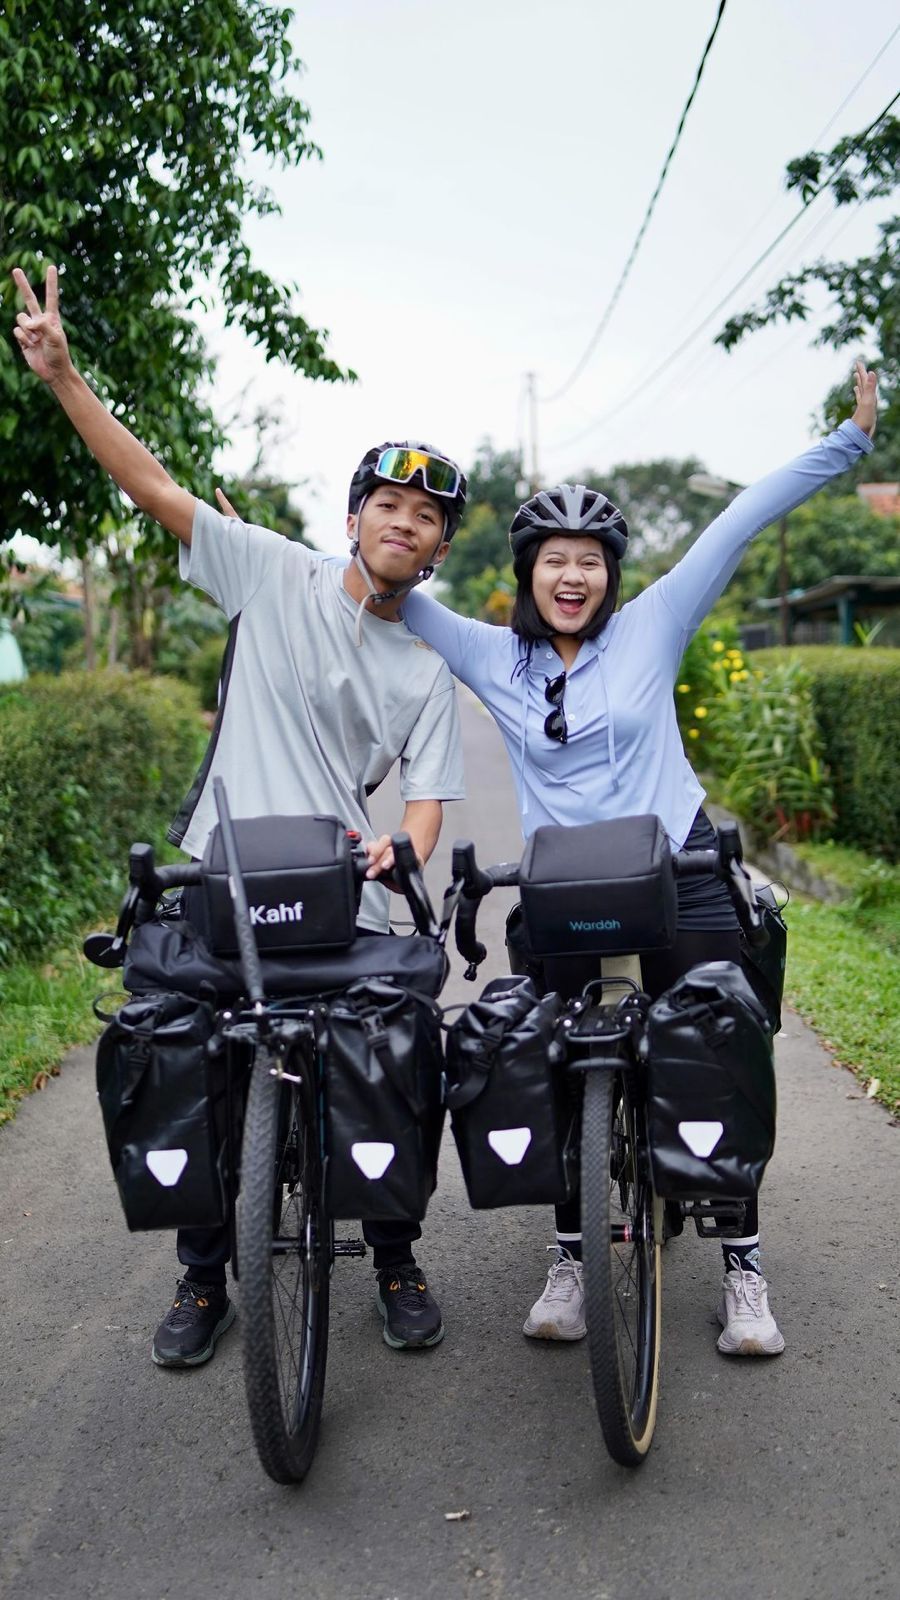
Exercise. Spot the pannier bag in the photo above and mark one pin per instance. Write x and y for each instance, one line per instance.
(764, 968)
(710, 1086)
(512, 1108)
(163, 1102)
(169, 954)
(383, 1101)
(604, 889)
(301, 886)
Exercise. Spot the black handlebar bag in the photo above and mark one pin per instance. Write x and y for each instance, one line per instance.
(163, 1100)
(607, 888)
(384, 1105)
(513, 1114)
(710, 1086)
(302, 889)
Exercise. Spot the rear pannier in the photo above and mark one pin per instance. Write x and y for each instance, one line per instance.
(710, 1086)
(603, 889)
(513, 1110)
(383, 1101)
(163, 1099)
(301, 886)
(764, 967)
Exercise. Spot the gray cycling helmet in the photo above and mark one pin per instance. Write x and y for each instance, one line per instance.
(568, 508)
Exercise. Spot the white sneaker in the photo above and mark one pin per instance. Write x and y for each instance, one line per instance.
(748, 1326)
(559, 1314)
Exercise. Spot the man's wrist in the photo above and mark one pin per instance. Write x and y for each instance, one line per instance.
(66, 382)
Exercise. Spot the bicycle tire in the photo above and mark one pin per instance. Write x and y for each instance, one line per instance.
(284, 1250)
(622, 1279)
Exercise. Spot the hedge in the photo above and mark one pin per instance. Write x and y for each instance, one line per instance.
(89, 762)
(856, 699)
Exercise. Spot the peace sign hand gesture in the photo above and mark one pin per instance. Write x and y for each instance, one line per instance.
(865, 388)
(40, 333)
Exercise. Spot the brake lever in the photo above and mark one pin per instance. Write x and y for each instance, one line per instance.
(412, 884)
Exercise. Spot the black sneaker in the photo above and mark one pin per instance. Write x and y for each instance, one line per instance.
(196, 1320)
(411, 1317)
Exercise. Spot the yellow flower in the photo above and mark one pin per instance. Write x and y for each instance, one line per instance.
(693, 733)
(718, 666)
(735, 677)
(717, 646)
(743, 675)
(700, 711)
(684, 688)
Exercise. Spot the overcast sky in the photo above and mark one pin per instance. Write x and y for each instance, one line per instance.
(486, 168)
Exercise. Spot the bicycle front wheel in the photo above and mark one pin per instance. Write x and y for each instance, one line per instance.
(284, 1262)
(622, 1281)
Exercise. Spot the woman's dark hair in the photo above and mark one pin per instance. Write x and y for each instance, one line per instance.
(526, 620)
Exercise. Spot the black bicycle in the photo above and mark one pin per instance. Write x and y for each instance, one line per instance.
(274, 1158)
(624, 1220)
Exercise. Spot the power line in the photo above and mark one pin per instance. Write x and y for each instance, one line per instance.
(695, 333)
(604, 320)
(753, 232)
(858, 84)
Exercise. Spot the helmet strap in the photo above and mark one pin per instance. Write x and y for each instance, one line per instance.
(380, 597)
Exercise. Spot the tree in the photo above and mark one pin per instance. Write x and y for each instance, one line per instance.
(827, 536)
(494, 486)
(863, 296)
(123, 130)
(664, 514)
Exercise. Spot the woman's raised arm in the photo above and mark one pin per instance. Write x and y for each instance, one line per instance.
(696, 582)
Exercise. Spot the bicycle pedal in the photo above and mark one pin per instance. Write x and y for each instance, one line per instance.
(718, 1219)
(349, 1247)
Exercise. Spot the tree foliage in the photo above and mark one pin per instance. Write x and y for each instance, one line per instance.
(825, 537)
(494, 492)
(862, 296)
(664, 514)
(124, 131)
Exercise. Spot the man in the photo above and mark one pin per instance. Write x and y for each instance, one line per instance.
(323, 689)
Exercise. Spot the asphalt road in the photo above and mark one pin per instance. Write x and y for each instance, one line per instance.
(774, 1479)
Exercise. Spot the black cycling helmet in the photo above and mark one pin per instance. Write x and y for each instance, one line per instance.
(452, 499)
(568, 508)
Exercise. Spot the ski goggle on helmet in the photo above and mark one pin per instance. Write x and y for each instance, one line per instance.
(409, 462)
(400, 465)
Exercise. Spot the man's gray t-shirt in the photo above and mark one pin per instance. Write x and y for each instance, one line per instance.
(310, 722)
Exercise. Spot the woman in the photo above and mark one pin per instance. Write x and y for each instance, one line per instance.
(583, 696)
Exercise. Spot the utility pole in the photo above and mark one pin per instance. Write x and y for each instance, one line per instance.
(534, 475)
(784, 610)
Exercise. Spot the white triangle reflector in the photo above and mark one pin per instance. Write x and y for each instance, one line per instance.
(510, 1144)
(701, 1138)
(373, 1159)
(167, 1165)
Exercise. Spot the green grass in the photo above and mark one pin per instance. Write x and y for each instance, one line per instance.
(845, 981)
(44, 1011)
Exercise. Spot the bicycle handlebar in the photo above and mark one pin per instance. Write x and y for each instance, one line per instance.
(147, 883)
(726, 861)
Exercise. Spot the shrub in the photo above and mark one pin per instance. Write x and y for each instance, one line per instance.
(705, 667)
(204, 668)
(856, 701)
(88, 764)
(768, 752)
